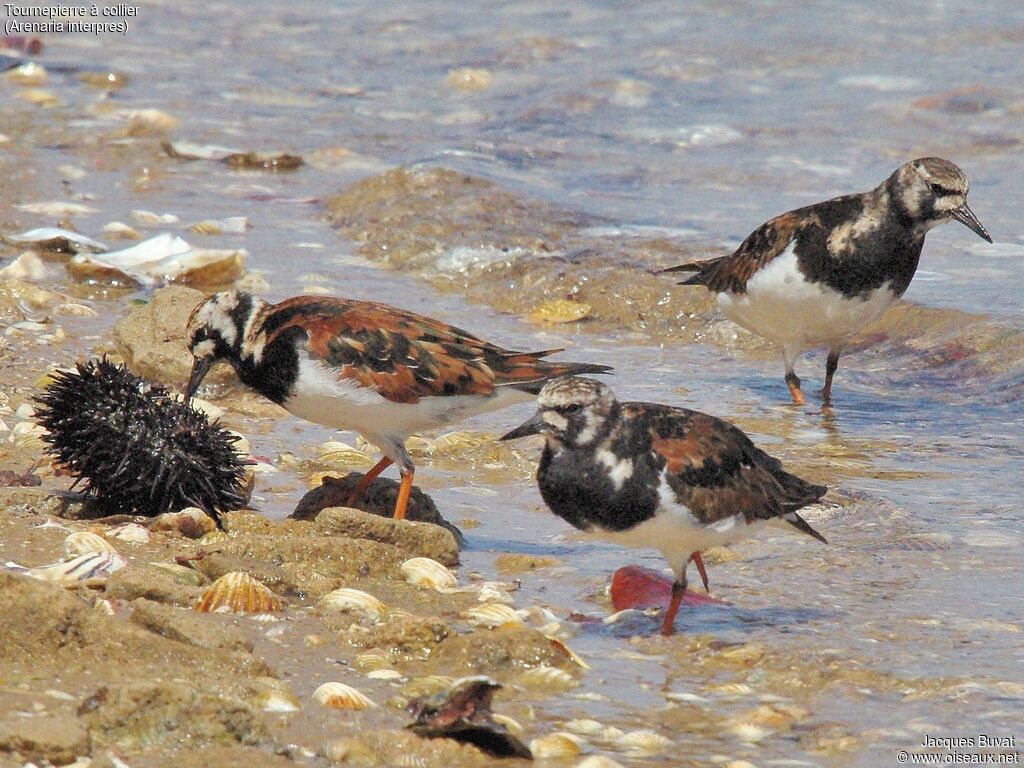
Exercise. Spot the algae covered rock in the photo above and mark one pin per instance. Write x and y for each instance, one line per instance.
(417, 539)
(59, 739)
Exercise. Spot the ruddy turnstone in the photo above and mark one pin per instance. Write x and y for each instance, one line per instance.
(371, 368)
(817, 275)
(648, 475)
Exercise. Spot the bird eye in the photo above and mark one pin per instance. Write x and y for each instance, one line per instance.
(938, 189)
(571, 408)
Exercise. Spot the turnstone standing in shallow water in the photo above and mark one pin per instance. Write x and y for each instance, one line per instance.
(371, 368)
(647, 475)
(817, 275)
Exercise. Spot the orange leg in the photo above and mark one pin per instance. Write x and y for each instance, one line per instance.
(668, 626)
(365, 480)
(699, 562)
(403, 495)
(793, 382)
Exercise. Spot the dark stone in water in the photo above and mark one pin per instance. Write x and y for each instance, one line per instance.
(378, 499)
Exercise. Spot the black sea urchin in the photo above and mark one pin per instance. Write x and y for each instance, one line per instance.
(138, 450)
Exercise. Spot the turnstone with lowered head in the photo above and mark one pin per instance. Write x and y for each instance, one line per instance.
(817, 275)
(362, 366)
(648, 475)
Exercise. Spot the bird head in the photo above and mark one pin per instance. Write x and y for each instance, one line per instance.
(572, 412)
(932, 191)
(216, 331)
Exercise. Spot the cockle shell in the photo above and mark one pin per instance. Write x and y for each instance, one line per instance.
(547, 678)
(346, 600)
(86, 570)
(425, 572)
(643, 743)
(85, 542)
(493, 615)
(341, 696)
(490, 592)
(372, 660)
(555, 746)
(385, 674)
(238, 592)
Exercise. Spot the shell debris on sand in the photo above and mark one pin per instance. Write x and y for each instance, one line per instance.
(84, 543)
(133, 533)
(545, 678)
(425, 572)
(238, 592)
(341, 696)
(555, 746)
(643, 743)
(347, 600)
(85, 570)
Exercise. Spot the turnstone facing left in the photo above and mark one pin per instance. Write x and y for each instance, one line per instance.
(362, 366)
(648, 475)
(817, 275)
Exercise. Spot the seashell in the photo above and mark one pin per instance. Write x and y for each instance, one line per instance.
(547, 678)
(104, 606)
(212, 412)
(598, 761)
(28, 73)
(584, 726)
(164, 258)
(28, 266)
(735, 690)
(569, 652)
(342, 454)
(384, 674)
(191, 522)
(27, 434)
(749, 731)
(490, 592)
(492, 615)
(427, 685)
(425, 572)
(145, 121)
(57, 239)
(276, 700)
(346, 600)
(182, 574)
(233, 225)
(84, 542)
(372, 660)
(239, 593)
(56, 209)
(559, 311)
(643, 743)
(71, 309)
(341, 696)
(214, 537)
(555, 746)
(513, 725)
(120, 230)
(187, 150)
(85, 570)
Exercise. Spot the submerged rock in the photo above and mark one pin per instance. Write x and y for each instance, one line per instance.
(418, 539)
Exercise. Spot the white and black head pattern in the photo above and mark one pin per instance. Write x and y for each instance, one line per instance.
(575, 411)
(218, 327)
(931, 191)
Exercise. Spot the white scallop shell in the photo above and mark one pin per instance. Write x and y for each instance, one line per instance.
(87, 570)
(425, 572)
(643, 743)
(555, 746)
(585, 726)
(490, 592)
(341, 696)
(346, 600)
(133, 533)
(492, 615)
(371, 660)
(384, 674)
(238, 592)
(750, 731)
(84, 543)
(547, 678)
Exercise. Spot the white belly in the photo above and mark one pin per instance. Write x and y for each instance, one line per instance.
(321, 397)
(781, 306)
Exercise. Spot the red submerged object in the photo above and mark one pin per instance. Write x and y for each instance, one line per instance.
(636, 587)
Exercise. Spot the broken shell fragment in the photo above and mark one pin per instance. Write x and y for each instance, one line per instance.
(86, 570)
(238, 592)
(341, 696)
(346, 600)
(133, 533)
(555, 746)
(84, 543)
(57, 240)
(425, 572)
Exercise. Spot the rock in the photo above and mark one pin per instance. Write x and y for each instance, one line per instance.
(379, 499)
(152, 583)
(219, 755)
(218, 564)
(389, 747)
(516, 562)
(495, 650)
(187, 627)
(56, 738)
(330, 557)
(413, 636)
(147, 714)
(39, 502)
(418, 539)
(151, 338)
(191, 522)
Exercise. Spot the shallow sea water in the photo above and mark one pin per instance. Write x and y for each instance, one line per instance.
(699, 120)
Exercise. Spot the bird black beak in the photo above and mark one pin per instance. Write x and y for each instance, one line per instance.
(532, 427)
(966, 216)
(200, 367)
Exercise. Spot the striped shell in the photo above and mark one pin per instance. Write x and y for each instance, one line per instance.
(643, 743)
(341, 696)
(84, 543)
(371, 660)
(238, 592)
(547, 678)
(425, 572)
(85, 570)
(346, 600)
(493, 615)
(555, 746)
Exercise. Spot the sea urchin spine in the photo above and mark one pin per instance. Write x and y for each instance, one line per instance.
(137, 450)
